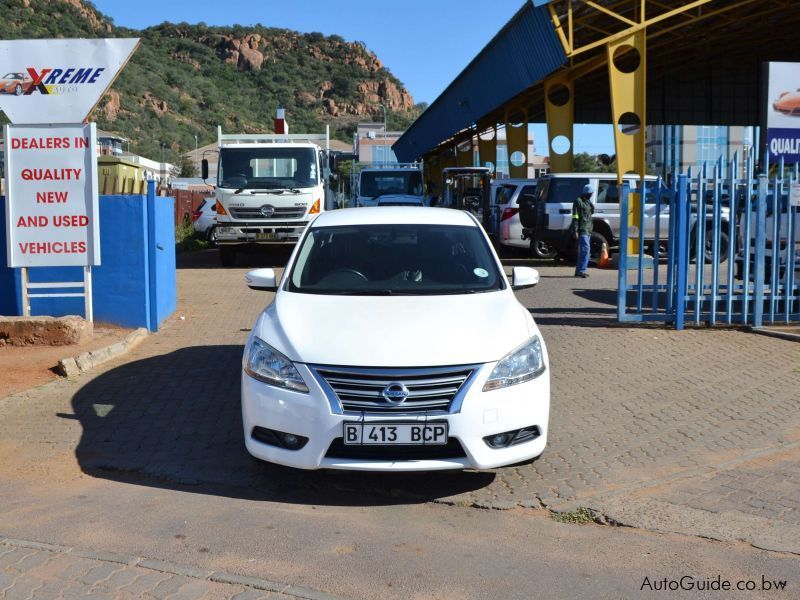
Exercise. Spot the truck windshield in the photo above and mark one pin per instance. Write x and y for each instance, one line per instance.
(269, 168)
(379, 183)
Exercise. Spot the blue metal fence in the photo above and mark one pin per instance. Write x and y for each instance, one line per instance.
(730, 255)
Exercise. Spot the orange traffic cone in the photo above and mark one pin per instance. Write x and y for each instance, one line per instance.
(604, 261)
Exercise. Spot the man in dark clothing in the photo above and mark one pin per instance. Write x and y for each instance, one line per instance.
(582, 210)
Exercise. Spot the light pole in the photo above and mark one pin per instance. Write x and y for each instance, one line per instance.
(385, 155)
(195, 152)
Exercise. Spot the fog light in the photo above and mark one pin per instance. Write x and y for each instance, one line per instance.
(512, 438)
(271, 437)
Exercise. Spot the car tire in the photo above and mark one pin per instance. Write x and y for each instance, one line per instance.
(227, 256)
(211, 236)
(709, 240)
(543, 250)
(18, 90)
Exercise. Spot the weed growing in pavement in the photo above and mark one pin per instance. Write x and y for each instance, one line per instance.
(577, 517)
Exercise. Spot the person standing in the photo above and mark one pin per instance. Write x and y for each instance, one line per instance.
(582, 210)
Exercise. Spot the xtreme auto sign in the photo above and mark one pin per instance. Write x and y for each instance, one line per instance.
(52, 181)
(47, 90)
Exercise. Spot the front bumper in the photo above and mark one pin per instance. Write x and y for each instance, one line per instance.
(481, 414)
(255, 232)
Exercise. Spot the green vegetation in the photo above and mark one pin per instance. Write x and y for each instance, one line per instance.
(184, 79)
(581, 516)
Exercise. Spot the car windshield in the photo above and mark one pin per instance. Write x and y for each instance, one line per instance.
(395, 260)
(379, 183)
(267, 168)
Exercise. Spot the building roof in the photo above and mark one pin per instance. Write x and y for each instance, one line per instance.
(704, 65)
(523, 52)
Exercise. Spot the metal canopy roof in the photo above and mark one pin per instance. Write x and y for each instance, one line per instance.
(520, 55)
(703, 65)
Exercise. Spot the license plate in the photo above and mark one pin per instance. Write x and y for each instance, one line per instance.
(267, 236)
(389, 434)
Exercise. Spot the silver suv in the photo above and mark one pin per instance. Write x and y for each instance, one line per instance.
(548, 218)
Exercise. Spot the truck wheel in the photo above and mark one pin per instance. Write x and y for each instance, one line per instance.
(227, 256)
(543, 250)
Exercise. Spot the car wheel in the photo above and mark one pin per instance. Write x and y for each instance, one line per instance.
(708, 255)
(212, 236)
(227, 256)
(18, 90)
(543, 250)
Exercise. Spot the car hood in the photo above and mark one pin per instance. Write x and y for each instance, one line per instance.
(396, 331)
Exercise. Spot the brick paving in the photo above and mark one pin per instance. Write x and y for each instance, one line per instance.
(53, 573)
(632, 408)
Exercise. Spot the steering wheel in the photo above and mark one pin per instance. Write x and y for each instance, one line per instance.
(348, 270)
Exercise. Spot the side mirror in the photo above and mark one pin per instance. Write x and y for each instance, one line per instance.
(262, 280)
(523, 277)
(204, 169)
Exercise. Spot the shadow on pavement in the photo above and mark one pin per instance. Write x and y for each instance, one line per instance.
(253, 258)
(174, 420)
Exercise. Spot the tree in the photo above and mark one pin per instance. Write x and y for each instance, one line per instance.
(583, 162)
(185, 167)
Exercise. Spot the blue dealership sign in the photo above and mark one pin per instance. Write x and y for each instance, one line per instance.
(784, 143)
(783, 112)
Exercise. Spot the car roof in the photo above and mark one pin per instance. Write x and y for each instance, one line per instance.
(388, 215)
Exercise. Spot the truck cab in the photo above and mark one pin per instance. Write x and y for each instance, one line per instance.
(396, 180)
(268, 188)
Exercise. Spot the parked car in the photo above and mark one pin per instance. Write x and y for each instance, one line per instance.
(550, 215)
(15, 83)
(506, 195)
(205, 219)
(370, 355)
(785, 229)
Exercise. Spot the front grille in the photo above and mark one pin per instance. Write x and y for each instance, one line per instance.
(452, 449)
(429, 390)
(254, 214)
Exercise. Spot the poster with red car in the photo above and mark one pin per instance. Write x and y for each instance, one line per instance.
(783, 112)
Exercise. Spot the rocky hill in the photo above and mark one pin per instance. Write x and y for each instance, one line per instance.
(187, 79)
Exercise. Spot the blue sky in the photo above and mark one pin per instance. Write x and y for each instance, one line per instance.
(425, 43)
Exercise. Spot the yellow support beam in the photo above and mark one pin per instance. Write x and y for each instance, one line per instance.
(628, 103)
(559, 102)
(487, 145)
(516, 119)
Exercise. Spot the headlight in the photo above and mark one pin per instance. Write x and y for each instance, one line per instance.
(266, 364)
(523, 364)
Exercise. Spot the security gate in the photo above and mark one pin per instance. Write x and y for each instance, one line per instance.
(730, 254)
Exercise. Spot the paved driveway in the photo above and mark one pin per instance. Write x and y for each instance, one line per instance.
(692, 432)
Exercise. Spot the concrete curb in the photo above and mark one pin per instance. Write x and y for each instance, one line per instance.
(783, 335)
(75, 365)
(178, 569)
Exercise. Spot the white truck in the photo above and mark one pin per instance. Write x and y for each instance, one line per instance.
(268, 188)
(397, 183)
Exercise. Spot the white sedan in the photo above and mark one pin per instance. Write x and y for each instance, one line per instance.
(394, 342)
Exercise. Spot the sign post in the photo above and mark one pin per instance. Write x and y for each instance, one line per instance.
(52, 215)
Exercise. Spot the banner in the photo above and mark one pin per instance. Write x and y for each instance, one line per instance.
(783, 112)
(51, 195)
(58, 81)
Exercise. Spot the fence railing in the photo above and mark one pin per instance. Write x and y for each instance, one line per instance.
(730, 253)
